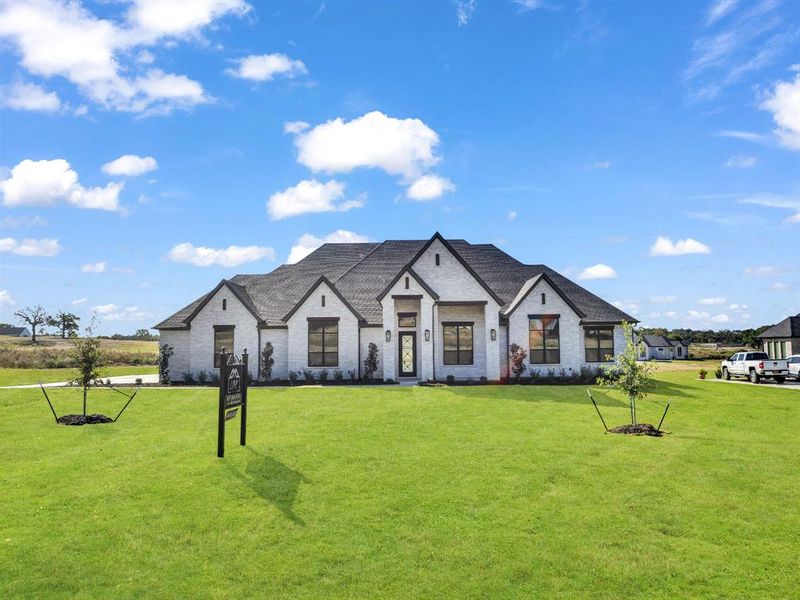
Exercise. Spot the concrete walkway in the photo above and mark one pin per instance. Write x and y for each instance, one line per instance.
(119, 379)
(789, 384)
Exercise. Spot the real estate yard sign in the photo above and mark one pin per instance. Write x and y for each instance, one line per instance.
(232, 396)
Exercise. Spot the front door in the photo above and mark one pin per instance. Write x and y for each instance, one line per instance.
(408, 353)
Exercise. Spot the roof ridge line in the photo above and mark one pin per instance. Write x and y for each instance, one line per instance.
(367, 255)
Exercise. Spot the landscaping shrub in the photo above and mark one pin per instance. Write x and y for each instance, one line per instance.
(371, 362)
(214, 377)
(718, 373)
(338, 376)
(451, 379)
(165, 352)
(202, 377)
(323, 376)
(308, 376)
(517, 356)
(188, 377)
(267, 362)
(351, 373)
(293, 377)
(702, 373)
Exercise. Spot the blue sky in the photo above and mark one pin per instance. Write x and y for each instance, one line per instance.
(648, 150)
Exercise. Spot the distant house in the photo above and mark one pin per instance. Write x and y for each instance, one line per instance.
(783, 339)
(15, 331)
(657, 347)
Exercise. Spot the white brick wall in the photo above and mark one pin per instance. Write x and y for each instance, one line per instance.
(473, 313)
(571, 332)
(280, 354)
(376, 336)
(179, 340)
(201, 334)
(298, 331)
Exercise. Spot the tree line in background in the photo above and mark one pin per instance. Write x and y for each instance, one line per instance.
(66, 324)
(724, 337)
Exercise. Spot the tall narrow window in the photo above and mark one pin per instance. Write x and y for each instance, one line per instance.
(323, 300)
(408, 283)
(544, 298)
(323, 343)
(543, 336)
(224, 304)
(223, 338)
(437, 260)
(457, 339)
(599, 342)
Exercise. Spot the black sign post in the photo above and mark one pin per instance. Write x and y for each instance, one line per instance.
(232, 396)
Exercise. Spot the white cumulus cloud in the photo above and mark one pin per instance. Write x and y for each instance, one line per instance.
(100, 55)
(6, 299)
(783, 101)
(98, 267)
(598, 271)
(28, 96)
(79, 301)
(310, 196)
(720, 318)
(130, 165)
(429, 187)
(663, 299)
(308, 243)
(403, 147)
(664, 246)
(47, 182)
(264, 67)
(30, 247)
(232, 256)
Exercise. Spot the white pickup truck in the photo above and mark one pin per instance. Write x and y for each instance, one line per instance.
(754, 366)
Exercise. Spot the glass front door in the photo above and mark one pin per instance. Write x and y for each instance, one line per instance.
(408, 354)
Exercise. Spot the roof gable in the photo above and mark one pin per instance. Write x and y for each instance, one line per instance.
(529, 286)
(416, 277)
(789, 327)
(310, 291)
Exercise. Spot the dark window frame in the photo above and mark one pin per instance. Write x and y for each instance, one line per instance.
(597, 347)
(408, 282)
(226, 329)
(544, 349)
(323, 300)
(406, 315)
(459, 350)
(438, 260)
(544, 298)
(224, 304)
(330, 321)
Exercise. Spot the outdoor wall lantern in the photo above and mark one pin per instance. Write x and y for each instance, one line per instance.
(427, 335)
(388, 335)
(494, 335)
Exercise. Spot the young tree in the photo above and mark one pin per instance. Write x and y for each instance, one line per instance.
(33, 316)
(165, 352)
(371, 362)
(267, 361)
(87, 358)
(629, 374)
(516, 357)
(66, 323)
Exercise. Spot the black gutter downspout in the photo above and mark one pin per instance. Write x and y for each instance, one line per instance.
(508, 351)
(359, 351)
(258, 375)
(433, 338)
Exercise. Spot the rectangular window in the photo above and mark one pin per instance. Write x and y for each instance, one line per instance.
(457, 339)
(407, 319)
(543, 337)
(323, 343)
(599, 342)
(223, 338)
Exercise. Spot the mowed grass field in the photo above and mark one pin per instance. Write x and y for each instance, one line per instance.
(480, 492)
(58, 343)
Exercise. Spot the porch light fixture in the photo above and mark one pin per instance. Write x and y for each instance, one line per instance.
(427, 335)
(388, 335)
(494, 335)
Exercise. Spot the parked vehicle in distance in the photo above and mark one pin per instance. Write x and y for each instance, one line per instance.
(754, 366)
(794, 366)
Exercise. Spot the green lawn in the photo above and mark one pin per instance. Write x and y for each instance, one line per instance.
(29, 376)
(489, 492)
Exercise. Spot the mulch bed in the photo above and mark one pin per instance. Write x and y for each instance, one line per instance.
(640, 429)
(84, 420)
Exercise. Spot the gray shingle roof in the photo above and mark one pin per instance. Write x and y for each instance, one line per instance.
(12, 330)
(789, 327)
(361, 272)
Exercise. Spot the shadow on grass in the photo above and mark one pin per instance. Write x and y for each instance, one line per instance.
(274, 481)
(566, 394)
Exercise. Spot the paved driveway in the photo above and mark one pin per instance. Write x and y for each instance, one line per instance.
(129, 379)
(789, 384)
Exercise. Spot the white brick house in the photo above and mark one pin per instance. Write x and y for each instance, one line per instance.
(434, 308)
